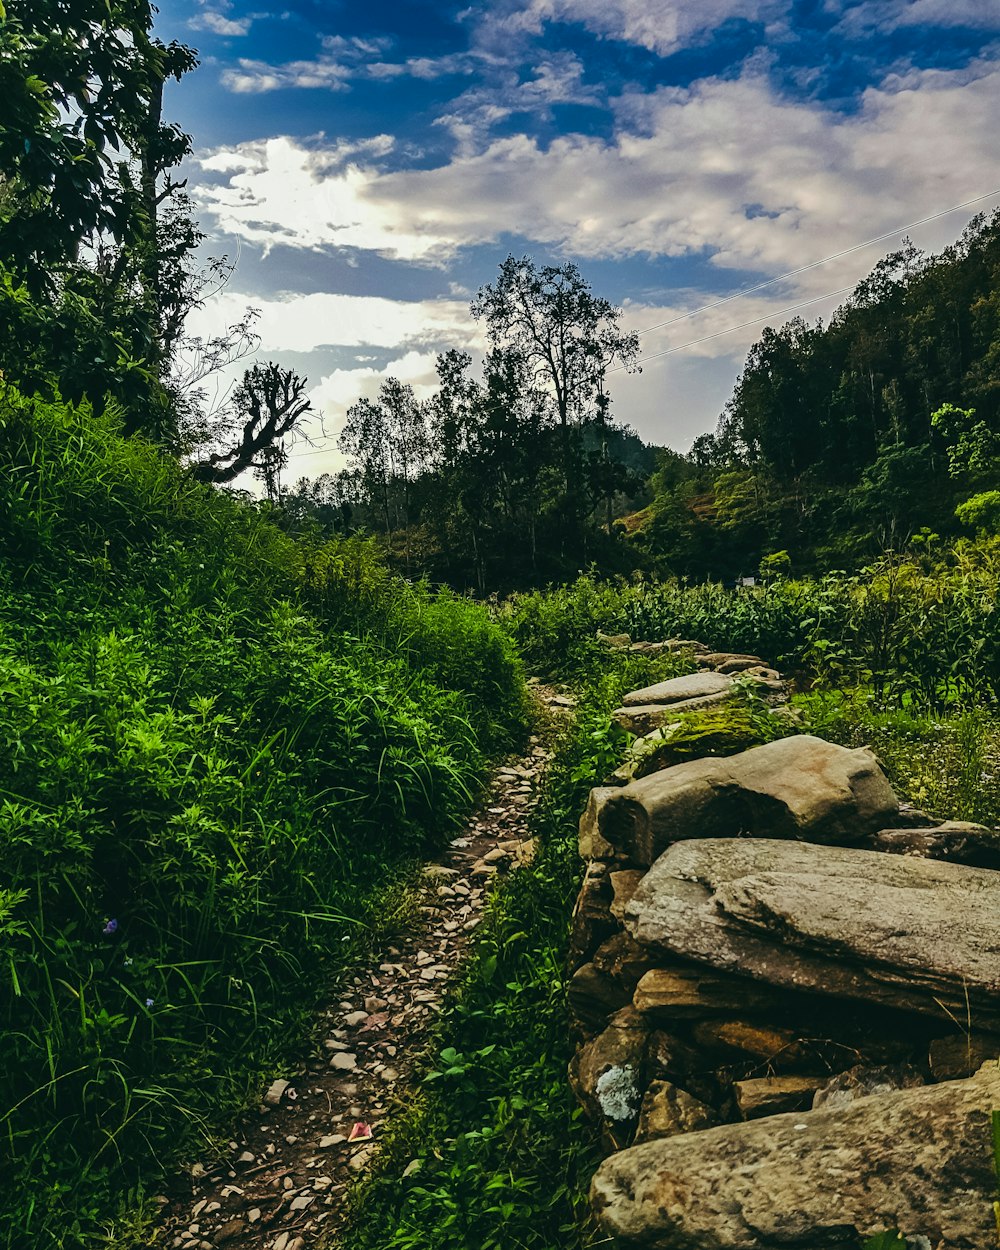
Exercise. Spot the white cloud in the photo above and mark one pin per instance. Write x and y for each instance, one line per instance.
(256, 77)
(219, 24)
(304, 323)
(662, 26)
(857, 18)
(725, 168)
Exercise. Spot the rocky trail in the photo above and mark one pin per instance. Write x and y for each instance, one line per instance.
(284, 1182)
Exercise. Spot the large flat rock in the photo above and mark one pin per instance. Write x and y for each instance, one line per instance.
(919, 1160)
(921, 935)
(678, 689)
(798, 787)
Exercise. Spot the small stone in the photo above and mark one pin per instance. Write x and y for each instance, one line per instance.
(438, 872)
(198, 1171)
(354, 1018)
(275, 1092)
(253, 1215)
(230, 1231)
(345, 1062)
(247, 1159)
(302, 1202)
(332, 1139)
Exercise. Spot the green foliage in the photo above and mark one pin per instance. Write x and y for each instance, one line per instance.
(981, 512)
(498, 1152)
(842, 439)
(217, 745)
(947, 763)
(971, 446)
(556, 630)
(921, 627)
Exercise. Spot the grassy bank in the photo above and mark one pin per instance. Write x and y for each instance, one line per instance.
(215, 745)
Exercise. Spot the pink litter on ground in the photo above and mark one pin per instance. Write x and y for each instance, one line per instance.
(360, 1132)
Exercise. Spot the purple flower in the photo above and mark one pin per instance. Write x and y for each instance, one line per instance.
(149, 1002)
(110, 928)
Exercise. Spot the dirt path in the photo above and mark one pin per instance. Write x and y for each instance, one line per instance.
(284, 1183)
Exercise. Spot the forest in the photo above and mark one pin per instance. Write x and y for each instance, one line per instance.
(239, 718)
(840, 441)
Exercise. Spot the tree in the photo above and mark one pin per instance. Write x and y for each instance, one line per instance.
(567, 337)
(90, 226)
(386, 441)
(268, 403)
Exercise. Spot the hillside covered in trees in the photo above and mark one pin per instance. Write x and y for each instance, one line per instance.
(844, 439)
(839, 441)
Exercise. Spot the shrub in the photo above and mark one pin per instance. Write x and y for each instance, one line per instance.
(217, 745)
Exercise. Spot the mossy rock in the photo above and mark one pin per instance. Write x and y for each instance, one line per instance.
(723, 729)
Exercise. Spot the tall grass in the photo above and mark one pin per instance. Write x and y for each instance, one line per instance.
(215, 744)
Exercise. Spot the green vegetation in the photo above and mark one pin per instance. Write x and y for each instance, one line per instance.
(218, 745)
(503, 1155)
(918, 627)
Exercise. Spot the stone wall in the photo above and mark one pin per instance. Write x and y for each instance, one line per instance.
(784, 986)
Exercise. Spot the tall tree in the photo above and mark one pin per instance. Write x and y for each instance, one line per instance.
(89, 281)
(268, 403)
(568, 338)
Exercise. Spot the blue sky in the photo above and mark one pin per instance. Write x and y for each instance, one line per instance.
(373, 163)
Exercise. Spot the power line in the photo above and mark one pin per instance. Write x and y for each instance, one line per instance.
(729, 329)
(816, 263)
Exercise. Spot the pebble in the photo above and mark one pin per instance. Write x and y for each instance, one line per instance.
(275, 1092)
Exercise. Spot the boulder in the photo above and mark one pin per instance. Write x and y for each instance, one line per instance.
(863, 1082)
(593, 996)
(668, 1111)
(728, 661)
(685, 644)
(641, 719)
(797, 787)
(961, 1054)
(591, 843)
(770, 1046)
(958, 840)
(623, 885)
(911, 934)
(608, 1073)
(592, 918)
(680, 689)
(617, 642)
(920, 1160)
(773, 1095)
(685, 992)
(623, 959)
(649, 648)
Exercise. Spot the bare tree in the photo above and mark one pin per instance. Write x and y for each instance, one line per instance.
(268, 402)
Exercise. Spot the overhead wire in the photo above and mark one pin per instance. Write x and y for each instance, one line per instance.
(847, 251)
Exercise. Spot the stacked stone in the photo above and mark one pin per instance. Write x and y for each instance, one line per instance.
(774, 960)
